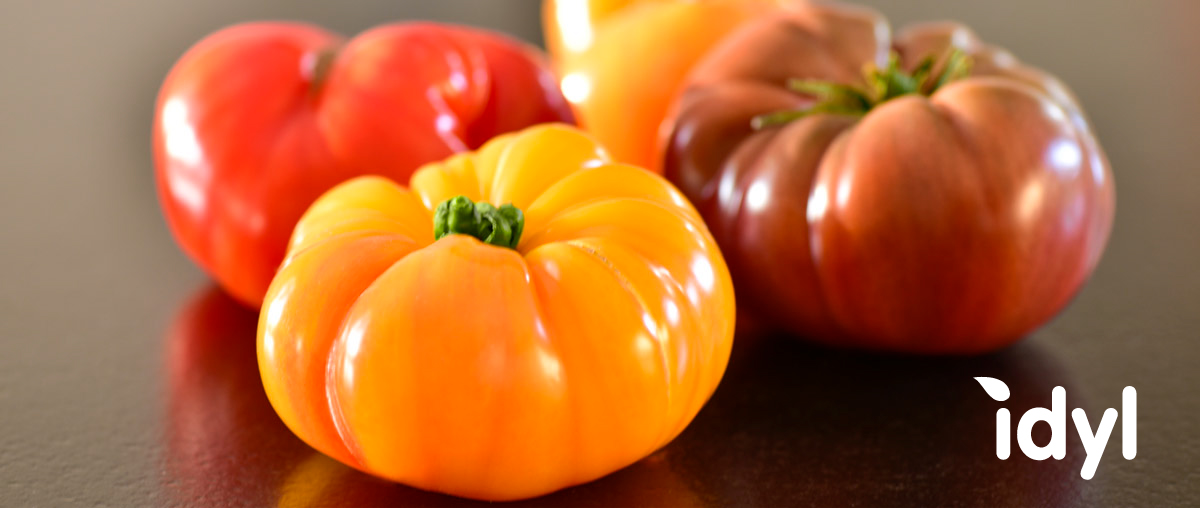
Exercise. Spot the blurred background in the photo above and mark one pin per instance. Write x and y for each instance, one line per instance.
(126, 380)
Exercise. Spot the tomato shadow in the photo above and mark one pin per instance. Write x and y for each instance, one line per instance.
(799, 425)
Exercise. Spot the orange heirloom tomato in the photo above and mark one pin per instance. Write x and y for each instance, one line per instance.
(622, 61)
(525, 318)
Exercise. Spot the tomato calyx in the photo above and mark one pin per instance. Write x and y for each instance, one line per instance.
(882, 85)
(322, 62)
(459, 215)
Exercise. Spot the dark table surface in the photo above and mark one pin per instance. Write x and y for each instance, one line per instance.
(127, 380)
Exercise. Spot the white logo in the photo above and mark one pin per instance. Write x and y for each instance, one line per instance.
(1056, 416)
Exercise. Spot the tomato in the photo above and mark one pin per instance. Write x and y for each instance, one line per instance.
(950, 200)
(622, 61)
(527, 317)
(257, 120)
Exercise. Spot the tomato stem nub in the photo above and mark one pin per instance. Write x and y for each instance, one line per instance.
(459, 215)
(882, 85)
(322, 62)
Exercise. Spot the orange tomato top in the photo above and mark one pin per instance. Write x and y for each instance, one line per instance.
(623, 61)
(491, 372)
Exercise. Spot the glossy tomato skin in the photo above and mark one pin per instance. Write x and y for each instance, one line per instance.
(623, 61)
(496, 373)
(955, 223)
(257, 120)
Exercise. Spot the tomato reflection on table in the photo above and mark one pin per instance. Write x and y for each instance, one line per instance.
(223, 441)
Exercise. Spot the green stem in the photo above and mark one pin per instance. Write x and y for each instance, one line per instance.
(459, 215)
(320, 69)
(882, 85)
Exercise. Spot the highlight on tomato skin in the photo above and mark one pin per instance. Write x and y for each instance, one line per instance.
(948, 199)
(256, 120)
(522, 318)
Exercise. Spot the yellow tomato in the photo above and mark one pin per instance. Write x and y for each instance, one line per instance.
(622, 62)
(572, 347)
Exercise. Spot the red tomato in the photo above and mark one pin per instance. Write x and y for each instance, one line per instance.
(950, 199)
(257, 120)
